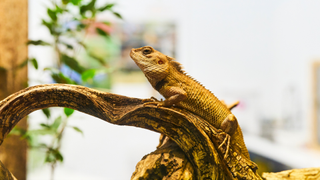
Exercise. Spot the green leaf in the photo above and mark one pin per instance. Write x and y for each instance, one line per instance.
(89, 74)
(75, 2)
(41, 132)
(58, 156)
(82, 44)
(38, 42)
(65, 1)
(77, 129)
(88, 7)
(14, 131)
(34, 63)
(24, 63)
(49, 158)
(106, 7)
(68, 112)
(53, 155)
(67, 45)
(45, 125)
(61, 78)
(72, 63)
(55, 125)
(42, 145)
(81, 26)
(58, 9)
(46, 112)
(106, 23)
(102, 32)
(95, 57)
(38, 132)
(118, 15)
(49, 25)
(52, 14)
(51, 69)
(17, 131)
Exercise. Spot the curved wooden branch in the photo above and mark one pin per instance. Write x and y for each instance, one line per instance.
(199, 141)
(5, 174)
(293, 174)
(179, 125)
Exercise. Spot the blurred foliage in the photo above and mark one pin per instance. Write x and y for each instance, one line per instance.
(68, 22)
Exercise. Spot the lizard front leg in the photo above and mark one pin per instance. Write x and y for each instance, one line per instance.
(228, 126)
(173, 95)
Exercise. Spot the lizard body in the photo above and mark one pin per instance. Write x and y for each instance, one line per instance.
(167, 77)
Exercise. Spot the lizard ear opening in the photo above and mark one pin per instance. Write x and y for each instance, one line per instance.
(160, 62)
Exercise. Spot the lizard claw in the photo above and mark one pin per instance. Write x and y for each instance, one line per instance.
(152, 99)
(225, 142)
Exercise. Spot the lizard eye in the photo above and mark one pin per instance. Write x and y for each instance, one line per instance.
(146, 51)
(160, 62)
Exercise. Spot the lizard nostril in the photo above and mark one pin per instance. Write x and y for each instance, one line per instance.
(134, 50)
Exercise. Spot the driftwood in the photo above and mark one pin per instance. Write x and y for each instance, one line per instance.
(298, 174)
(174, 123)
(167, 162)
(193, 152)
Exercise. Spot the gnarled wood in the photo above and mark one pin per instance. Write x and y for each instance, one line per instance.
(183, 127)
(5, 174)
(167, 162)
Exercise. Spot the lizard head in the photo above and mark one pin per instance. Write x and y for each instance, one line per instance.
(153, 63)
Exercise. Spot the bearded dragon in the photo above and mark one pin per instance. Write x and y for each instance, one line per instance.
(181, 90)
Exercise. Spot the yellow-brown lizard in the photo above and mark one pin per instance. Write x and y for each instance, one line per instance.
(180, 90)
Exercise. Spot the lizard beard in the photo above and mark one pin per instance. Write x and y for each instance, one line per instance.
(154, 74)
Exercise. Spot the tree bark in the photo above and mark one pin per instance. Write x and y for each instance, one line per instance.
(167, 162)
(5, 174)
(13, 51)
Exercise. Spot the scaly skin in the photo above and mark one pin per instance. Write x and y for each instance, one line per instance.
(180, 90)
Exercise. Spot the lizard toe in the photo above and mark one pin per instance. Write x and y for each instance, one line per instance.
(151, 103)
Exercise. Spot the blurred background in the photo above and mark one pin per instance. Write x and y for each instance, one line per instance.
(266, 54)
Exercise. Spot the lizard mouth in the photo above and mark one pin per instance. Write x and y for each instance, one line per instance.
(133, 53)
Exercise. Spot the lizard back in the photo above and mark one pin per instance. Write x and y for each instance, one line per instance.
(200, 101)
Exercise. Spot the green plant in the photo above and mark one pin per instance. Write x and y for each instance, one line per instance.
(68, 22)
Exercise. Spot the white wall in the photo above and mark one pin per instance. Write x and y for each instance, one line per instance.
(249, 50)
(255, 51)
